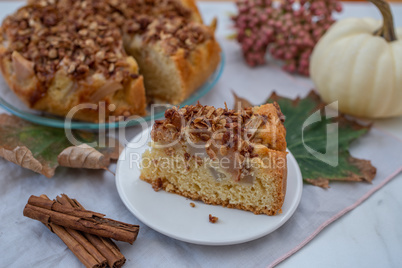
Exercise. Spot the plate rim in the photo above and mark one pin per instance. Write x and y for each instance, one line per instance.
(294, 204)
(60, 123)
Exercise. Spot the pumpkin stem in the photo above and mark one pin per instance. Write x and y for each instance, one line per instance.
(387, 30)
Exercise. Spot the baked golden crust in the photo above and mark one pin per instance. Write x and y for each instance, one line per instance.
(59, 54)
(195, 14)
(274, 133)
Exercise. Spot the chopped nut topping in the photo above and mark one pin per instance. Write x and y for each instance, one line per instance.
(192, 205)
(172, 34)
(66, 34)
(213, 219)
(170, 151)
(157, 184)
(85, 36)
(210, 125)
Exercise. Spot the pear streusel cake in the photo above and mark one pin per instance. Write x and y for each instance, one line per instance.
(56, 54)
(236, 159)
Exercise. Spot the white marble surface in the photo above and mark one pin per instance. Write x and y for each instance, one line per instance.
(371, 234)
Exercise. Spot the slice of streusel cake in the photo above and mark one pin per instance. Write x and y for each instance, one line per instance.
(236, 159)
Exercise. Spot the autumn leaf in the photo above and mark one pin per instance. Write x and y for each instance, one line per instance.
(23, 157)
(82, 156)
(37, 147)
(308, 142)
(112, 149)
(240, 103)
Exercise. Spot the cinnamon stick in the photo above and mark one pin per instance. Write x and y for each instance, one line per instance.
(82, 254)
(108, 249)
(48, 211)
(78, 244)
(105, 246)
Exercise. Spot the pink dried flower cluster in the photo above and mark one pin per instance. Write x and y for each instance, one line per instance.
(289, 29)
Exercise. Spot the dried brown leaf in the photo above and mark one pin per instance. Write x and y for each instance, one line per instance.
(23, 157)
(112, 150)
(37, 147)
(240, 103)
(320, 182)
(83, 156)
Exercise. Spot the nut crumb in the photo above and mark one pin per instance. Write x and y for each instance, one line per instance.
(213, 219)
(192, 205)
(157, 184)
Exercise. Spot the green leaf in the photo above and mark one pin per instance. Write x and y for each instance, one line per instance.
(316, 137)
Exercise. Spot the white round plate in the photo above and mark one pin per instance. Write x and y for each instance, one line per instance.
(172, 215)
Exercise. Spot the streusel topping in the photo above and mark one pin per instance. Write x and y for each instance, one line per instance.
(85, 36)
(79, 38)
(222, 131)
(172, 33)
(227, 127)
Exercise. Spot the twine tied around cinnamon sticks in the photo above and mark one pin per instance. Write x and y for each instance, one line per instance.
(86, 233)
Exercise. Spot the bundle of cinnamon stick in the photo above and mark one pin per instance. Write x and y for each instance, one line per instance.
(86, 233)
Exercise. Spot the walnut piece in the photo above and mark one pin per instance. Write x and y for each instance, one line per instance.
(213, 219)
(157, 184)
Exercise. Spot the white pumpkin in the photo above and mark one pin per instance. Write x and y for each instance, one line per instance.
(360, 70)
